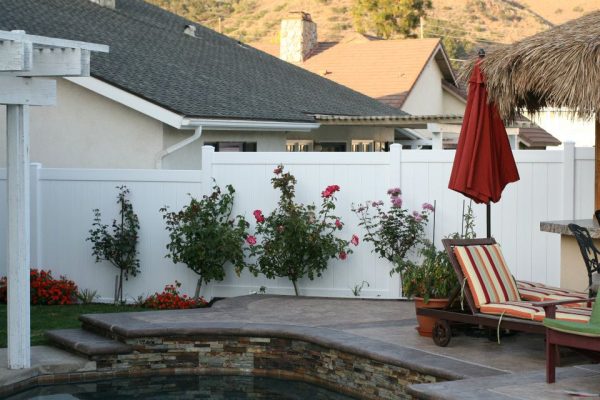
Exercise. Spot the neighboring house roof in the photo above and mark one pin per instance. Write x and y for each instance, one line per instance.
(537, 137)
(383, 69)
(206, 76)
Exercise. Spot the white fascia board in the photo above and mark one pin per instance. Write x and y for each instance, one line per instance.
(249, 125)
(130, 100)
(179, 121)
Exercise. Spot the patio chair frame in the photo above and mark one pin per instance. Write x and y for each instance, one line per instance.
(588, 346)
(470, 314)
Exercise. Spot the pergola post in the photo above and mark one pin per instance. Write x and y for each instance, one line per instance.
(23, 59)
(597, 169)
(17, 124)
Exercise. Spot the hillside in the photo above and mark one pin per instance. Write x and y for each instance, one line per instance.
(464, 22)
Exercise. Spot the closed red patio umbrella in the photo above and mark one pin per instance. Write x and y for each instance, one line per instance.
(483, 163)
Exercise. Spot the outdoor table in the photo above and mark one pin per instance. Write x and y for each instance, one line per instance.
(573, 273)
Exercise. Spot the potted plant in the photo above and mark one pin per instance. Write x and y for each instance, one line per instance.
(429, 284)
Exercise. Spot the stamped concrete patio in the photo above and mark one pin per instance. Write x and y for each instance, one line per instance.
(384, 330)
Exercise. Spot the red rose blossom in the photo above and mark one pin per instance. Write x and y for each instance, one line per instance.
(260, 218)
(251, 240)
(343, 255)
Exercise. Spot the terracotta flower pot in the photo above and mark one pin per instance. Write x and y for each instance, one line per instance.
(426, 324)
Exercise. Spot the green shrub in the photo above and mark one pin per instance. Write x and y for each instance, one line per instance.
(118, 244)
(204, 236)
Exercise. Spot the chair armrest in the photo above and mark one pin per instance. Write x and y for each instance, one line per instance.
(550, 306)
(561, 302)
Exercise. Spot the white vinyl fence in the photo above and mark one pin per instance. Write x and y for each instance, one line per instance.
(553, 185)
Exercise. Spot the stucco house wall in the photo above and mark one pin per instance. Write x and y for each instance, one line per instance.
(426, 96)
(86, 130)
(452, 105)
(190, 156)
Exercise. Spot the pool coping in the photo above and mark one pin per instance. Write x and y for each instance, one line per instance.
(444, 367)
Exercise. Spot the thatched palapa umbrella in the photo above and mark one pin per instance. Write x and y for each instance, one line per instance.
(556, 68)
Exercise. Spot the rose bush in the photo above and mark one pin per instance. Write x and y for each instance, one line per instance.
(297, 240)
(393, 230)
(205, 236)
(44, 289)
(171, 299)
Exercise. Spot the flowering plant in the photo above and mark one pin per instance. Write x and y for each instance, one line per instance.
(435, 277)
(204, 236)
(171, 299)
(297, 240)
(44, 289)
(394, 231)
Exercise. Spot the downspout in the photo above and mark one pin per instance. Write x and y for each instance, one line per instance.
(179, 145)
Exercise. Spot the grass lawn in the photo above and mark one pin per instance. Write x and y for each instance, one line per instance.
(56, 317)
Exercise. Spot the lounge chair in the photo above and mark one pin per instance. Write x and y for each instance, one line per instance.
(489, 295)
(577, 336)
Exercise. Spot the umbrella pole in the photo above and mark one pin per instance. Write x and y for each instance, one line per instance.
(488, 217)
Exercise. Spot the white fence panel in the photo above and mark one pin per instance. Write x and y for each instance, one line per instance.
(66, 200)
(554, 185)
(584, 183)
(362, 177)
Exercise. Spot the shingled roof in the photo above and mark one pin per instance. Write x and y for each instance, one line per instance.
(204, 76)
(383, 69)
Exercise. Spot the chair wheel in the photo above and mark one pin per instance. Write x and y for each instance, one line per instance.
(442, 333)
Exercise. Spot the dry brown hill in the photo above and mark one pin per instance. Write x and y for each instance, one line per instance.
(471, 21)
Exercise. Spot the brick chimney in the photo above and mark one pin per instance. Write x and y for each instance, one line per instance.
(298, 37)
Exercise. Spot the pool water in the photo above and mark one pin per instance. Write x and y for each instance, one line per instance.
(183, 387)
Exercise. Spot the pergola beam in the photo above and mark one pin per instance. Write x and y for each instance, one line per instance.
(21, 36)
(15, 56)
(31, 91)
(58, 62)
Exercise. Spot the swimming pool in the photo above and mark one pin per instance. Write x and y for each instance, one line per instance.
(183, 387)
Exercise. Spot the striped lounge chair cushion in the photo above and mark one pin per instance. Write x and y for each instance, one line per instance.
(533, 291)
(487, 274)
(525, 310)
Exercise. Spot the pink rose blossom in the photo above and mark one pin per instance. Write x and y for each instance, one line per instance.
(343, 255)
(251, 240)
(278, 170)
(260, 218)
(397, 202)
(394, 192)
(338, 224)
(354, 240)
(427, 206)
(417, 216)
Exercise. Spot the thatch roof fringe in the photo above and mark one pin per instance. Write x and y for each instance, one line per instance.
(558, 68)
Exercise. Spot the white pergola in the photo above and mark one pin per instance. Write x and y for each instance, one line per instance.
(24, 61)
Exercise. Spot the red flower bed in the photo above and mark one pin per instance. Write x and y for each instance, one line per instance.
(44, 289)
(170, 299)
